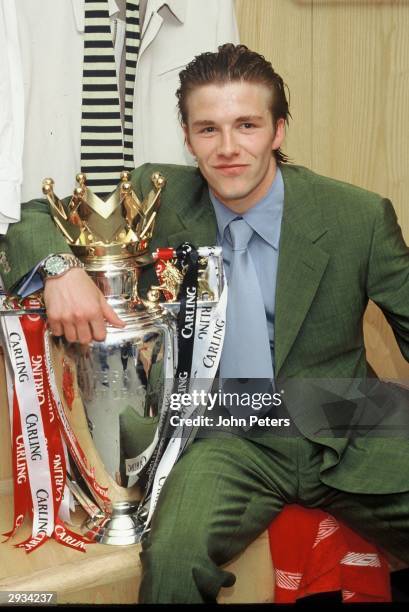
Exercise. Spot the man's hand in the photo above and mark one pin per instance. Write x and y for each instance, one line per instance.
(77, 309)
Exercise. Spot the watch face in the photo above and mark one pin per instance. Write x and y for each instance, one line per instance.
(55, 265)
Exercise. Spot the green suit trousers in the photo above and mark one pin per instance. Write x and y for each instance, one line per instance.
(224, 492)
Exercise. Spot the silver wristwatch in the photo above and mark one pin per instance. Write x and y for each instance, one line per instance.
(56, 265)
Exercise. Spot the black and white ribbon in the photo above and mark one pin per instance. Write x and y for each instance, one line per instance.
(195, 371)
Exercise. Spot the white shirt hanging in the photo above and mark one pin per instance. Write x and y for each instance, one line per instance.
(11, 116)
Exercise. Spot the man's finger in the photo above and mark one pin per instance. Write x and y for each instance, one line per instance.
(70, 332)
(56, 329)
(99, 329)
(84, 335)
(110, 315)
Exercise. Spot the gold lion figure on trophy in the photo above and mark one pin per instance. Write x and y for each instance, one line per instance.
(171, 279)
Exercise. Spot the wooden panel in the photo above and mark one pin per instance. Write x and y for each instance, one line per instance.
(55, 567)
(122, 592)
(255, 575)
(360, 92)
(347, 67)
(346, 2)
(382, 349)
(281, 31)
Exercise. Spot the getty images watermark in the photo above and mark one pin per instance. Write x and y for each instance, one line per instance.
(185, 405)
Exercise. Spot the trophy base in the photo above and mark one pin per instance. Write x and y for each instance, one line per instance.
(120, 528)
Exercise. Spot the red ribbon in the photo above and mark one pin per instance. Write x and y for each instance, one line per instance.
(22, 492)
(33, 327)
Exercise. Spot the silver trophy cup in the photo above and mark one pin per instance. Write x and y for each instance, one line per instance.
(111, 392)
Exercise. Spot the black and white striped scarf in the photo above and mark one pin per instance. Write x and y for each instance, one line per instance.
(106, 145)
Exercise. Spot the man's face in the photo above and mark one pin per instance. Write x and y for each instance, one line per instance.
(230, 132)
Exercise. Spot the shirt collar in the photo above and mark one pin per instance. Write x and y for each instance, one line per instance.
(264, 217)
(79, 9)
(113, 7)
(177, 7)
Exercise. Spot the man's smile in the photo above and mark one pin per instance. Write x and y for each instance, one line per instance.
(231, 169)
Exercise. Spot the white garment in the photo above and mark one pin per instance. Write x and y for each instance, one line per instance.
(11, 116)
(51, 42)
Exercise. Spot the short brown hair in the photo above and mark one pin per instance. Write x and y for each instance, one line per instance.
(234, 63)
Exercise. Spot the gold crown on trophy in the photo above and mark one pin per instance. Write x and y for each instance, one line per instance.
(120, 226)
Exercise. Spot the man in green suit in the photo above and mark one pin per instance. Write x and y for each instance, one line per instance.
(338, 246)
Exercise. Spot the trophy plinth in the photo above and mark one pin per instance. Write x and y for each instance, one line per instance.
(121, 528)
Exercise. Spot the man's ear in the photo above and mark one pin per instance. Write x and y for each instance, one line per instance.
(279, 134)
(187, 139)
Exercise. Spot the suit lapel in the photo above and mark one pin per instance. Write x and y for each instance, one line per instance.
(301, 263)
(197, 223)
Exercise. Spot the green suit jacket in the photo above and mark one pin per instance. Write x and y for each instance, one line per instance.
(340, 245)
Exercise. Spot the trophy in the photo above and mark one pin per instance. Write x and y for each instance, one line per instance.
(112, 397)
(111, 392)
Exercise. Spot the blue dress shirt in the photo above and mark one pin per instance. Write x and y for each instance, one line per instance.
(265, 219)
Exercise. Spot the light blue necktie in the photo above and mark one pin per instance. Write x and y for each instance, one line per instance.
(246, 349)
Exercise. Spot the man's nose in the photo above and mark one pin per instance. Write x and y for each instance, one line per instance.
(227, 144)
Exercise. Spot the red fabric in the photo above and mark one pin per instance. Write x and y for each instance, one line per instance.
(313, 553)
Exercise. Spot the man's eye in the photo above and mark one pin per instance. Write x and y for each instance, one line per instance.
(247, 125)
(208, 130)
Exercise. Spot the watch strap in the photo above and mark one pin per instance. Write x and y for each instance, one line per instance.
(68, 261)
